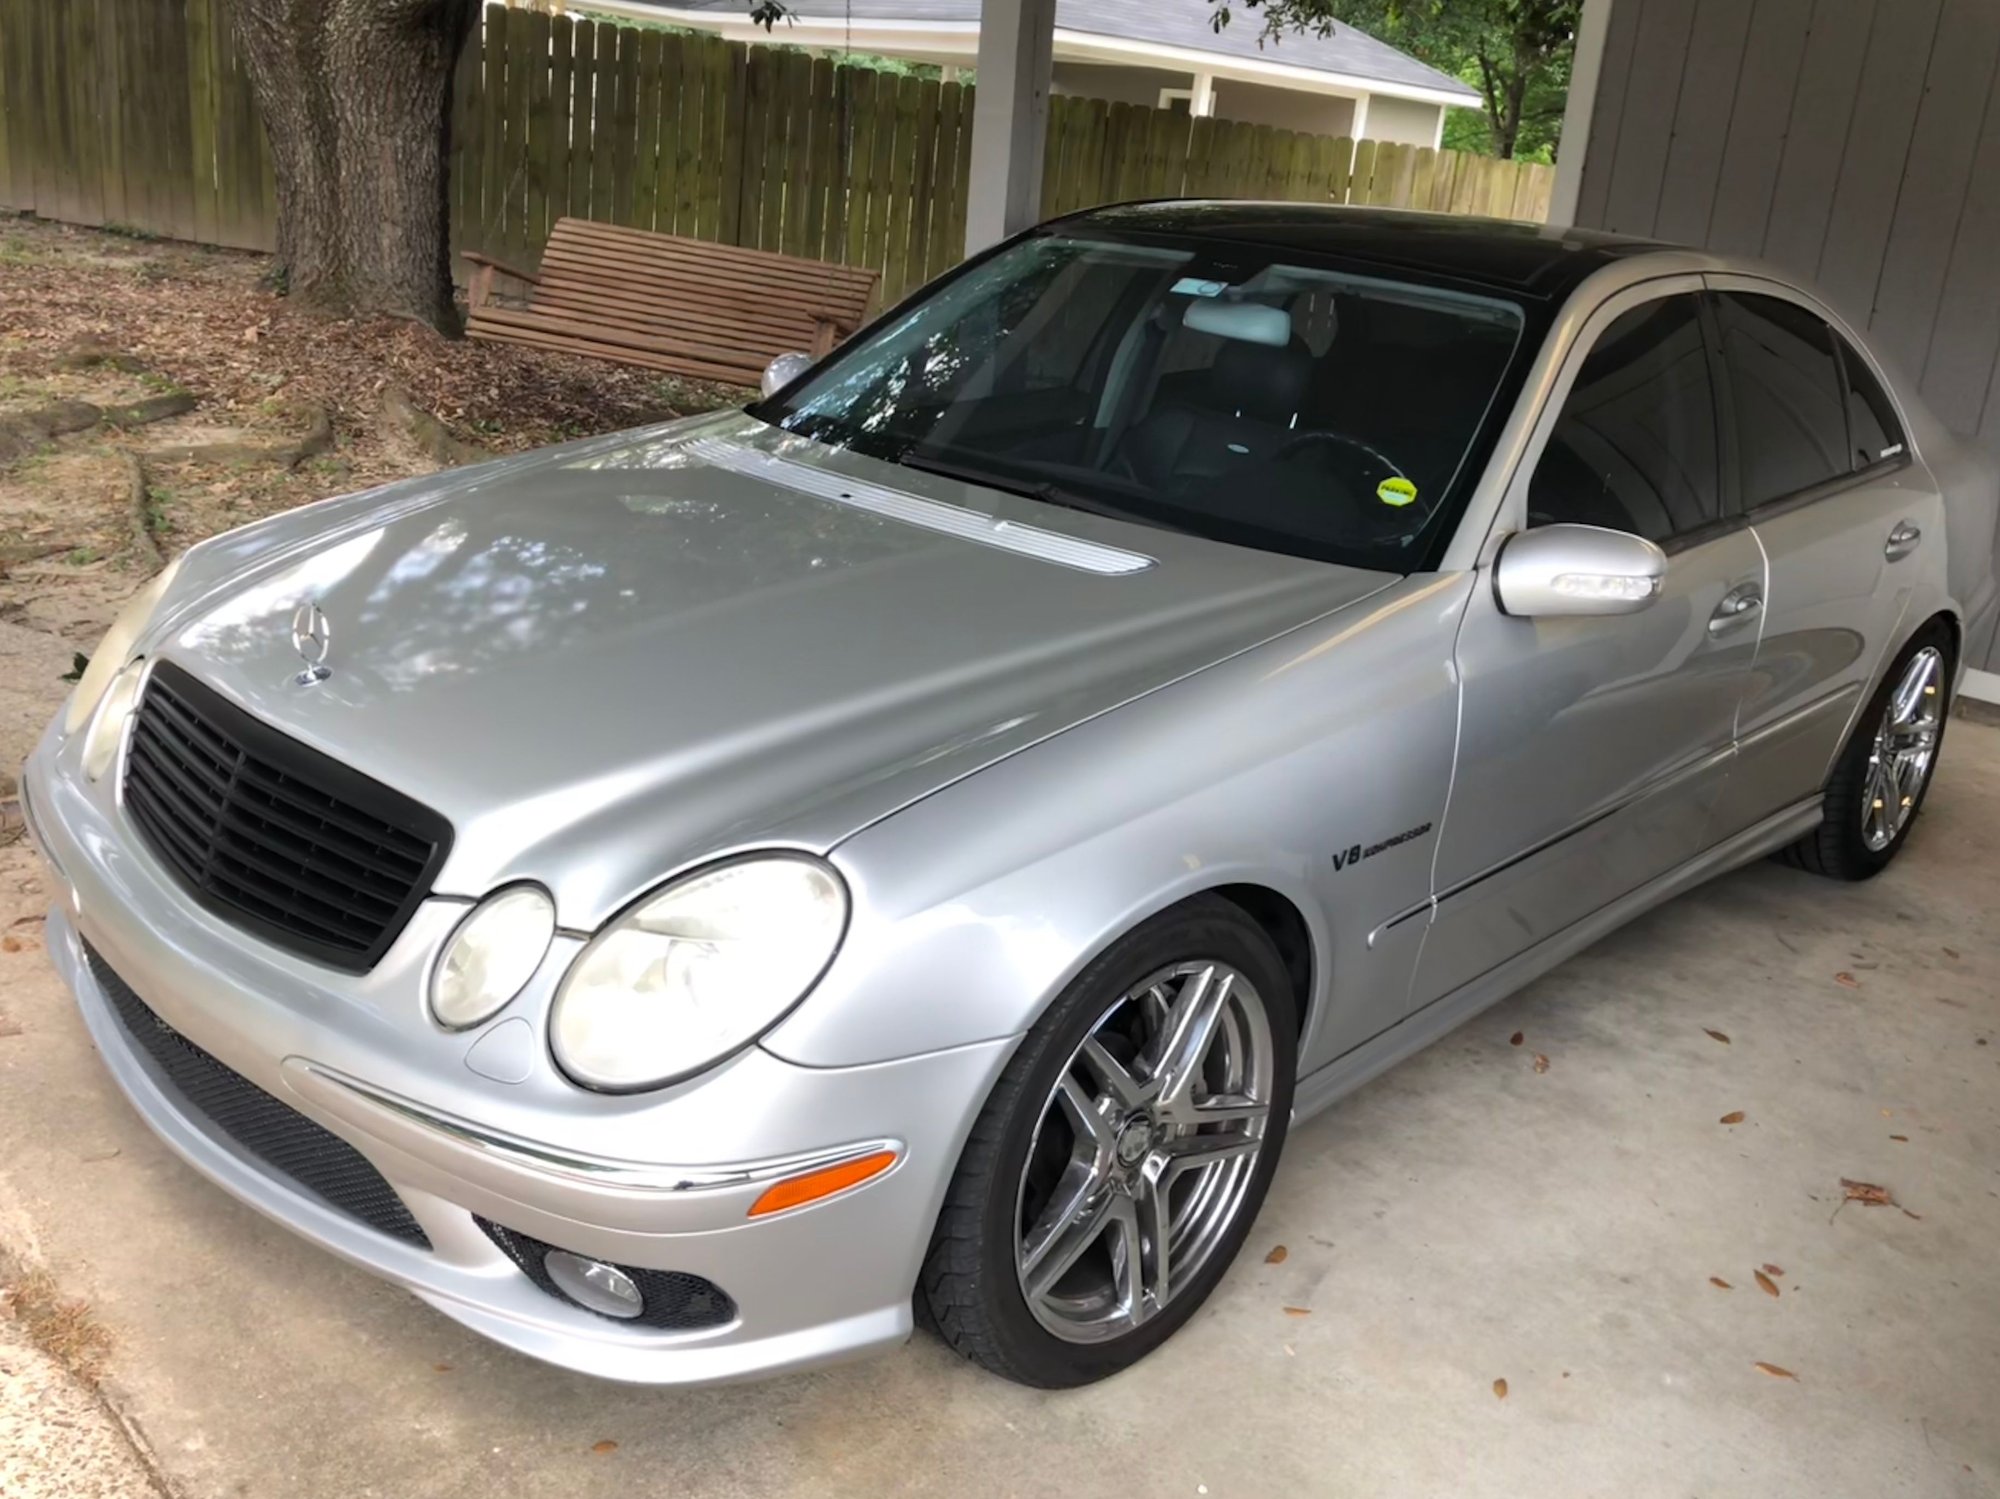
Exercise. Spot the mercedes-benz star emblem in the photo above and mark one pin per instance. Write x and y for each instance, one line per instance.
(312, 638)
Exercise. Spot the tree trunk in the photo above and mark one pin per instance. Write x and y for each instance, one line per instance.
(356, 99)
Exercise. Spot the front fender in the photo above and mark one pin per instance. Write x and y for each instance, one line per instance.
(974, 907)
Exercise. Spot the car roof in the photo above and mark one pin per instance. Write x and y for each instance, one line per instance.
(1532, 259)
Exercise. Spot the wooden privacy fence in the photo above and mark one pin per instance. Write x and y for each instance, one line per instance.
(138, 113)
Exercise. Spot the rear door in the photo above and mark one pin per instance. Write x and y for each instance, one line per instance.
(1593, 750)
(1819, 457)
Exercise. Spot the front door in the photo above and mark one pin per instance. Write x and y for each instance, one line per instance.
(1592, 752)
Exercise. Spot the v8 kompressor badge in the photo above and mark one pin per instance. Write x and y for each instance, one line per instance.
(1350, 857)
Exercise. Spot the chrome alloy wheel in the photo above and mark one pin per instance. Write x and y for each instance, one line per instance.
(1905, 749)
(1144, 1151)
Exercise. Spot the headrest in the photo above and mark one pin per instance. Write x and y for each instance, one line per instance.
(1256, 381)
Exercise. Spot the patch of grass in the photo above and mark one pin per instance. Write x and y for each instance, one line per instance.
(17, 251)
(63, 1327)
(130, 231)
(158, 498)
(81, 556)
(158, 384)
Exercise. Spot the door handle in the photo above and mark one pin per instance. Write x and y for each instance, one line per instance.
(1738, 608)
(1902, 541)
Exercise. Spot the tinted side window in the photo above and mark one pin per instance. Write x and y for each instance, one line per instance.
(1635, 446)
(1784, 381)
(1871, 421)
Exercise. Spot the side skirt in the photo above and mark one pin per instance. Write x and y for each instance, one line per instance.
(1375, 1056)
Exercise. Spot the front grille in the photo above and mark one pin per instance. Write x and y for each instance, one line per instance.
(278, 1135)
(674, 1300)
(273, 836)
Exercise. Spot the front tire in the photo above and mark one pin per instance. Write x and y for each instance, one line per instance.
(1117, 1167)
(1879, 782)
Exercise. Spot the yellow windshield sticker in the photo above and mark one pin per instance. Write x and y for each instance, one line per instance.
(1397, 492)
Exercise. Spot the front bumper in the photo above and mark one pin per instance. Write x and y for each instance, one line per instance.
(660, 1181)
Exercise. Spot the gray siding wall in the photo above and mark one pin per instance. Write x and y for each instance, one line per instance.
(1856, 143)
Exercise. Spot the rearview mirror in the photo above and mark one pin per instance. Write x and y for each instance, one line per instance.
(782, 371)
(1556, 570)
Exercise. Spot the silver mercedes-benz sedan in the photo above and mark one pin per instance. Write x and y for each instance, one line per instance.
(690, 902)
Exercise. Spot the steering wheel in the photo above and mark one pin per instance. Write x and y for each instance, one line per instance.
(1319, 436)
(1373, 470)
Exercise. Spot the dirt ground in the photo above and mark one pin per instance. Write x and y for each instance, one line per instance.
(112, 320)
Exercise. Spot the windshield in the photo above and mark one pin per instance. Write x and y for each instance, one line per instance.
(1214, 390)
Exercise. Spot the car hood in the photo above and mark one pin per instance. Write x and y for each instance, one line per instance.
(606, 662)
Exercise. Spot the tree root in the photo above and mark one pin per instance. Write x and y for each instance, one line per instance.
(426, 432)
(24, 431)
(152, 409)
(13, 554)
(91, 355)
(139, 512)
(318, 438)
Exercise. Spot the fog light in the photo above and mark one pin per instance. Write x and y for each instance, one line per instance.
(602, 1288)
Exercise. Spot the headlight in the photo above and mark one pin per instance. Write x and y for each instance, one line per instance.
(116, 646)
(106, 729)
(494, 952)
(697, 970)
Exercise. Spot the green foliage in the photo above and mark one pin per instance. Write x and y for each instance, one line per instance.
(1516, 53)
(78, 665)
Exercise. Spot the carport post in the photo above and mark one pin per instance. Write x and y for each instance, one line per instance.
(1010, 116)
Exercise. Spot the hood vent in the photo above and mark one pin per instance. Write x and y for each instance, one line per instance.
(914, 510)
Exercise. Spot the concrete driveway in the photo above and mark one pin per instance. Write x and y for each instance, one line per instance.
(1466, 1219)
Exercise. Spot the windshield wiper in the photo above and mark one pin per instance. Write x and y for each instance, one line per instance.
(1047, 490)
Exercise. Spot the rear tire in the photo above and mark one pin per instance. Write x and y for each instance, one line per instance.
(1878, 784)
(1147, 1108)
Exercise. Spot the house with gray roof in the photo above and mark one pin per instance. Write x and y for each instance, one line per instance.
(1161, 53)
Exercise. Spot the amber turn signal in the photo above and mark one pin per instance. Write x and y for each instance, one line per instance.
(797, 1191)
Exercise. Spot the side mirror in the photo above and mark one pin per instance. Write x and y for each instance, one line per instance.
(783, 370)
(1557, 570)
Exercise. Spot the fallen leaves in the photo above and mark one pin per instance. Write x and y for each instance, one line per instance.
(1847, 981)
(1276, 1256)
(1541, 1062)
(1298, 1311)
(1776, 1371)
(1720, 1284)
(1734, 1116)
(442, 1368)
(1900, 1139)
(1771, 1269)
(604, 1446)
(1715, 1035)
(10, 944)
(1765, 1284)
(1500, 1388)
(1516, 1039)
(1867, 1193)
